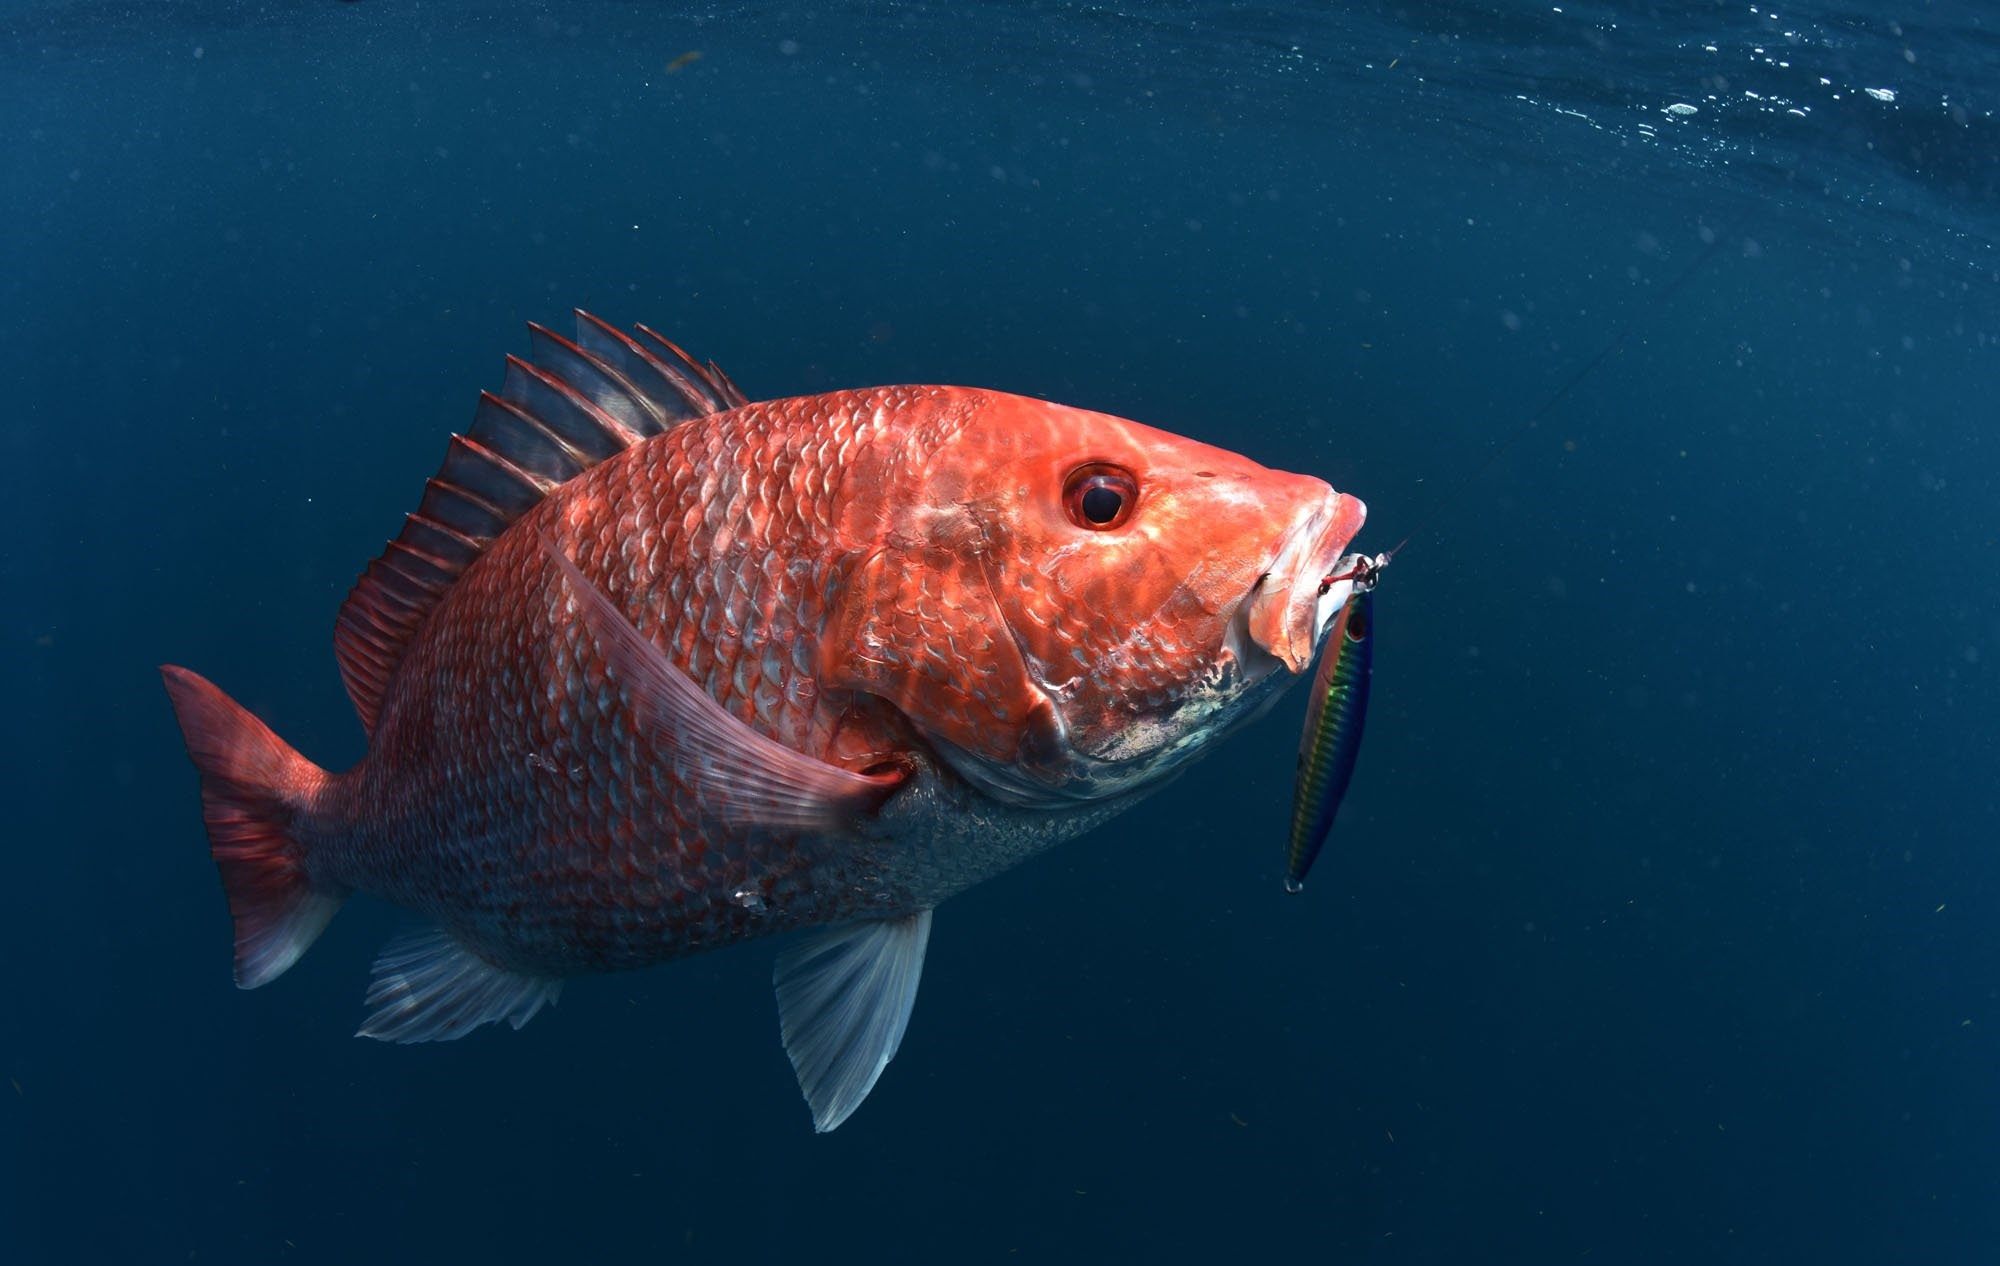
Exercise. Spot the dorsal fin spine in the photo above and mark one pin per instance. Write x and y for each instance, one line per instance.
(418, 566)
(480, 520)
(690, 371)
(508, 488)
(501, 425)
(440, 541)
(594, 433)
(562, 410)
(635, 361)
(602, 385)
(730, 391)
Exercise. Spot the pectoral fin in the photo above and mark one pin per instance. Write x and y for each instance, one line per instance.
(757, 780)
(844, 999)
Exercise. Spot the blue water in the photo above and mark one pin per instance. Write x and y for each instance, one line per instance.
(1663, 921)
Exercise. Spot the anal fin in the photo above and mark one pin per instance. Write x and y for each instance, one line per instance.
(430, 988)
(844, 999)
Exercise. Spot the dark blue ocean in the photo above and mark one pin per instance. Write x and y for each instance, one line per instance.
(1662, 923)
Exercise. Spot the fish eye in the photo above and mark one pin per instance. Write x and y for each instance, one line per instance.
(1100, 498)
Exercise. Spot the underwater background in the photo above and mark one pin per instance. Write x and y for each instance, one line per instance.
(1662, 923)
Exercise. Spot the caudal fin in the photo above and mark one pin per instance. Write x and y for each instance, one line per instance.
(253, 790)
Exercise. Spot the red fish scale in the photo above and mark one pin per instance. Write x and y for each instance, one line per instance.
(503, 792)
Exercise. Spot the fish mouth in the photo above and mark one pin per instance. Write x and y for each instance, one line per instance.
(1287, 612)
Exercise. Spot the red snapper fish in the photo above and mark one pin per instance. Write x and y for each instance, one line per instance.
(654, 669)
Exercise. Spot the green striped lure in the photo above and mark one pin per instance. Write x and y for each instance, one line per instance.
(1339, 706)
(1337, 711)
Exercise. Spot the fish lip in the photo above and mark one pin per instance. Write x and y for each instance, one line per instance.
(1284, 615)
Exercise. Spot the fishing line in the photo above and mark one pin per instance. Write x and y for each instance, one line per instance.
(1562, 392)
(1339, 703)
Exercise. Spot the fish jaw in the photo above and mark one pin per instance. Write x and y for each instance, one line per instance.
(1287, 612)
(1275, 620)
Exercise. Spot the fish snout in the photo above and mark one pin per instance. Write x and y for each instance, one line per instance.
(1284, 615)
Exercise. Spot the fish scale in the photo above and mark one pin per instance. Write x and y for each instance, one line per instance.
(573, 917)
(653, 669)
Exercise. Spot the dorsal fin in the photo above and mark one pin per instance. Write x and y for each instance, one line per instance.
(565, 409)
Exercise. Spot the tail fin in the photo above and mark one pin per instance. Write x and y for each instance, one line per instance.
(253, 790)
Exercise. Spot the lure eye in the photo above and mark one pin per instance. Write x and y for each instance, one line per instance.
(1100, 498)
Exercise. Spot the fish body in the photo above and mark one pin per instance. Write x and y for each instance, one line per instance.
(655, 669)
(1336, 713)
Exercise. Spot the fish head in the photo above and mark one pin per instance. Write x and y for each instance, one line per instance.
(1070, 605)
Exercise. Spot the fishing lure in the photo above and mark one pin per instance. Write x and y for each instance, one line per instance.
(1339, 706)
(1337, 711)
